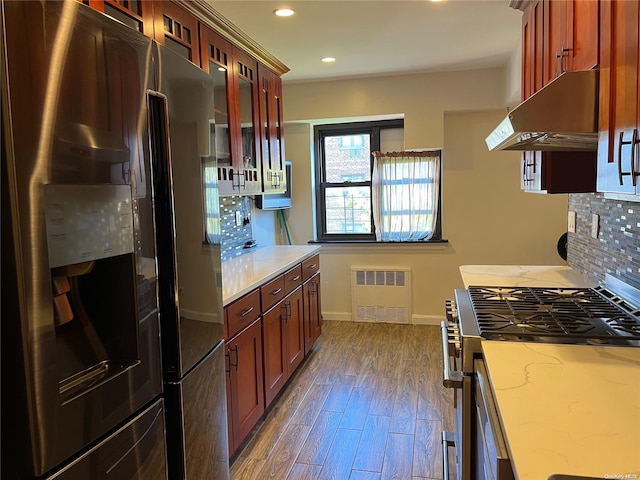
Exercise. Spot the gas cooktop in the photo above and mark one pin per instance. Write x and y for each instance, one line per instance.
(560, 315)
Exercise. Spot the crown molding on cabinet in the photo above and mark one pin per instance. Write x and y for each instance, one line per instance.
(205, 12)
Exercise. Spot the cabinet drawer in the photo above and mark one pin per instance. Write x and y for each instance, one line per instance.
(242, 312)
(310, 267)
(272, 292)
(292, 279)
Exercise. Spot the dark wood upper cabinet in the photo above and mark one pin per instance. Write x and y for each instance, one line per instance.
(245, 128)
(271, 122)
(557, 36)
(247, 137)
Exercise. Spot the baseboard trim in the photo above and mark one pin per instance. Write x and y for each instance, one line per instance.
(415, 319)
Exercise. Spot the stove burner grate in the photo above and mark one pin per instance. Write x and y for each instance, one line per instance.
(530, 313)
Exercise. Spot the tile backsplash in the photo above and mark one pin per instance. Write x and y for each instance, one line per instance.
(617, 249)
(235, 224)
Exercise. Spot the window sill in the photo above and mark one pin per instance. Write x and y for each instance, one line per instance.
(373, 246)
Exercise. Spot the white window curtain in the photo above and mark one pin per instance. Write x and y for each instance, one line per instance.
(405, 193)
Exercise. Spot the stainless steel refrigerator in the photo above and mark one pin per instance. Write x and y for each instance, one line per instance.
(112, 351)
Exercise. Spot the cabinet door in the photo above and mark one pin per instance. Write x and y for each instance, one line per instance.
(177, 29)
(294, 330)
(216, 56)
(246, 381)
(532, 48)
(583, 26)
(273, 171)
(275, 359)
(312, 312)
(618, 107)
(555, 28)
(571, 36)
(246, 176)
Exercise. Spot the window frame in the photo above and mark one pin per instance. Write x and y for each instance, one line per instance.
(372, 128)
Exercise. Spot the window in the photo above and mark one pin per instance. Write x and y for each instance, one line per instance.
(344, 197)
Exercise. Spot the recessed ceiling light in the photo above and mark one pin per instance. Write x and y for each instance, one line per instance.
(328, 59)
(284, 12)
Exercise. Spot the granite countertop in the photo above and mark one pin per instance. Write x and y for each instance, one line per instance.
(568, 409)
(523, 276)
(245, 272)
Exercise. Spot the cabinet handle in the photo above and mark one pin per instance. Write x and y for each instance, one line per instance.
(288, 305)
(242, 184)
(312, 266)
(276, 291)
(235, 349)
(632, 172)
(283, 312)
(296, 278)
(636, 141)
(526, 166)
(246, 312)
(312, 288)
(560, 56)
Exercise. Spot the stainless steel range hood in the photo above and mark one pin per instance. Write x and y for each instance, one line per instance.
(562, 116)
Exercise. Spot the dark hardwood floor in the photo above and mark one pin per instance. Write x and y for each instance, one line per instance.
(367, 403)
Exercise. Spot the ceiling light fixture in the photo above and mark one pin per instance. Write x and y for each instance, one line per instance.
(328, 59)
(284, 12)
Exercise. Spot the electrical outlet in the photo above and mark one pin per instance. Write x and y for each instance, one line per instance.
(571, 222)
(595, 225)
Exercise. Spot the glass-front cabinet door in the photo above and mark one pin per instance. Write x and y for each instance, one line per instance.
(273, 172)
(245, 136)
(233, 139)
(216, 55)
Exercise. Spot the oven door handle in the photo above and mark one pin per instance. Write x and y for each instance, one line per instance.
(447, 441)
(450, 379)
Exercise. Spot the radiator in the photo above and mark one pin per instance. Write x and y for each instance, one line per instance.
(381, 294)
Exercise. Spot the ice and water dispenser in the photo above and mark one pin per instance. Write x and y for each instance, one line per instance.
(90, 241)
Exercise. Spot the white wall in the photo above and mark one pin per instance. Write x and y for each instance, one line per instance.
(486, 218)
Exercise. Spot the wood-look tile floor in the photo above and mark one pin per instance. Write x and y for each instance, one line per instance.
(367, 403)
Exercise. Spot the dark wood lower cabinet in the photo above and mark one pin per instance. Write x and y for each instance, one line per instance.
(283, 337)
(270, 336)
(245, 391)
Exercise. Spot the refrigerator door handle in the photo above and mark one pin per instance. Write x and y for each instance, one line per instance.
(164, 226)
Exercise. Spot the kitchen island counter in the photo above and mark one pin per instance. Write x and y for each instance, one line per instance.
(245, 272)
(567, 409)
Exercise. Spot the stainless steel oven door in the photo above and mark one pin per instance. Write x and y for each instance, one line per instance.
(453, 377)
(491, 454)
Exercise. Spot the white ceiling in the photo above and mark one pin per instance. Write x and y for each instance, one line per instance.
(379, 37)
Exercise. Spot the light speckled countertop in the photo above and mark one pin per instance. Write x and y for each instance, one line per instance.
(245, 272)
(564, 409)
(568, 409)
(523, 276)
